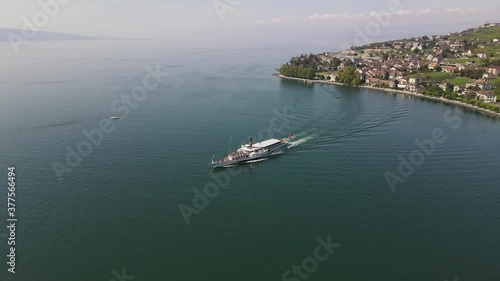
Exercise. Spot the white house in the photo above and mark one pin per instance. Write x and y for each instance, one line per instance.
(487, 96)
(482, 84)
(468, 53)
(413, 87)
(403, 85)
(416, 80)
(495, 70)
(488, 76)
(445, 85)
(458, 88)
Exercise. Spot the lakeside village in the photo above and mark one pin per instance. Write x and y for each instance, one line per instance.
(463, 66)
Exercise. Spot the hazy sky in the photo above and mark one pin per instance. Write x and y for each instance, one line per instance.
(176, 19)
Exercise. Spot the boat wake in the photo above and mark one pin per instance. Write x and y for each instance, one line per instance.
(299, 141)
(346, 117)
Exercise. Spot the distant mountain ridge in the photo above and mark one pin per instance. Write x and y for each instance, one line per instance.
(43, 36)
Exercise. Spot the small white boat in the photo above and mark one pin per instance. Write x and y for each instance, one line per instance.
(252, 153)
(114, 118)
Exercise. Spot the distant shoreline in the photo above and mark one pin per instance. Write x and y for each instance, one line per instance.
(392, 91)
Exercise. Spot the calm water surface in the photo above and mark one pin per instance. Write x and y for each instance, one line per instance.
(120, 207)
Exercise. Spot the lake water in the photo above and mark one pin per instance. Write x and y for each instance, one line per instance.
(119, 208)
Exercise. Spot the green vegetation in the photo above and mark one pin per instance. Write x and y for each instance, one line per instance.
(483, 34)
(404, 53)
(310, 60)
(439, 76)
(496, 85)
(419, 74)
(490, 62)
(458, 60)
(350, 76)
(474, 73)
(495, 82)
(319, 74)
(491, 51)
(463, 77)
(434, 91)
(482, 104)
(459, 80)
(297, 71)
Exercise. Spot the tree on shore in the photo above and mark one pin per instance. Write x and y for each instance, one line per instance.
(335, 62)
(356, 82)
(297, 71)
(349, 75)
(474, 73)
(434, 91)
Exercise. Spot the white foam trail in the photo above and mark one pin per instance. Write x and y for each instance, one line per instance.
(255, 161)
(302, 141)
(300, 135)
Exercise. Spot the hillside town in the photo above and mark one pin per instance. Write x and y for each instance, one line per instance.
(462, 66)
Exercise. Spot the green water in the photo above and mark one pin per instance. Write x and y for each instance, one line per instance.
(120, 207)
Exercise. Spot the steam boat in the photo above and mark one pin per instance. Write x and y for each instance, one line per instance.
(251, 152)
